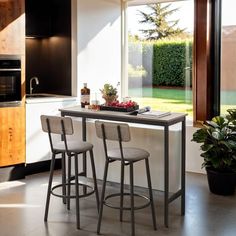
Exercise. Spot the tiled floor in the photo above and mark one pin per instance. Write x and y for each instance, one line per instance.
(22, 209)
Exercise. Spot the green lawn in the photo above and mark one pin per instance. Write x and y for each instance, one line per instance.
(175, 100)
(172, 94)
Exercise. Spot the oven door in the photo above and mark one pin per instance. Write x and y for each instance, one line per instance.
(10, 86)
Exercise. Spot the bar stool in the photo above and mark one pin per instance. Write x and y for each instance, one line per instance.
(127, 156)
(63, 126)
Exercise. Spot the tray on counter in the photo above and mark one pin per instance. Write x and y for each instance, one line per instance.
(121, 109)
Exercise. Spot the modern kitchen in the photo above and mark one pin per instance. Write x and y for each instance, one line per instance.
(48, 50)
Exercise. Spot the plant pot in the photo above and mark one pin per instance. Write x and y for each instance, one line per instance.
(221, 183)
(109, 99)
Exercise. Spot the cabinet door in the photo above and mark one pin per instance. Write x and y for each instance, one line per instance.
(12, 27)
(37, 142)
(38, 18)
(12, 136)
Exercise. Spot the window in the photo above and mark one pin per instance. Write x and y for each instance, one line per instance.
(159, 64)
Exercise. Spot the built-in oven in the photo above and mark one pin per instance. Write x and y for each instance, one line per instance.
(10, 80)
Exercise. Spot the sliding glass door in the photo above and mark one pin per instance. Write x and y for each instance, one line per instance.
(160, 42)
(228, 55)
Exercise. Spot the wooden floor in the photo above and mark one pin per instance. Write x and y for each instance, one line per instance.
(22, 209)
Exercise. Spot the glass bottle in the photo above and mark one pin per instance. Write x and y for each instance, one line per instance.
(85, 96)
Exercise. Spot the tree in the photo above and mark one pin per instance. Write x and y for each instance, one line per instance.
(133, 38)
(161, 27)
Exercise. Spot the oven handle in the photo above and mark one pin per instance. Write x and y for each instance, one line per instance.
(14, 69)
(10, 104)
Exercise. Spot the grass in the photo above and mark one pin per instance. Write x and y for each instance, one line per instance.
(175, 100)
(170, 94)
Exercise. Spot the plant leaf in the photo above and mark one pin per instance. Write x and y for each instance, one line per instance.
(219, 120)
(206, 147)
(200, 136)
(212, 123)
(217, 135)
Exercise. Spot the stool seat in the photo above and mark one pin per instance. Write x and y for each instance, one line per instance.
(129, 153)
(73, 146)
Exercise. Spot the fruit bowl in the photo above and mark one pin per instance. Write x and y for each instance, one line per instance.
(120, 106)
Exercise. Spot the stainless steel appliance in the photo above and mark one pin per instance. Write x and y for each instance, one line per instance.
(10, 81)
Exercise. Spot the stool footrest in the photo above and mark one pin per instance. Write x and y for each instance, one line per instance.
(72, 196)
(127, 208)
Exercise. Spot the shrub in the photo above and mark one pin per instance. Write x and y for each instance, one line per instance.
(164, 61)
(169, 63)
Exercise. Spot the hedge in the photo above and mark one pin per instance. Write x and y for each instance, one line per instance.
(165, 62)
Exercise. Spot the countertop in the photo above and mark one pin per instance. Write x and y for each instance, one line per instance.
(45, 98)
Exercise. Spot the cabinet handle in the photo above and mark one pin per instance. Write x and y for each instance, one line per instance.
(10, 130)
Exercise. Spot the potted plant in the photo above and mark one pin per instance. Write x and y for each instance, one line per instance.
(109, 93)
(218, 147)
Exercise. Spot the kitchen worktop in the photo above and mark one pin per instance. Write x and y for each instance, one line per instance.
(45, 97)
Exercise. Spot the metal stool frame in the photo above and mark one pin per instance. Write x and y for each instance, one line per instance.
(66, 128)
(123, 135)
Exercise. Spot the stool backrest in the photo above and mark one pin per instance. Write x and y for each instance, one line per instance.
(113, 131)
(58, 126)
(110, 131)
(55, 124)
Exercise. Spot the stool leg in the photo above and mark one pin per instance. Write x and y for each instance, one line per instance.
(94, 178)
(77, 193)
(132, 197)
(150, 194)
(68, 182)
(63, 169)
(49, 187)
(102, 197)
(84, 170)
(121, 190)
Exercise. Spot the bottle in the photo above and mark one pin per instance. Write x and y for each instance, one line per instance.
(85, 96)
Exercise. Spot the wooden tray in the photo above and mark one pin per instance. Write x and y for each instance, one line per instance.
(121, 109)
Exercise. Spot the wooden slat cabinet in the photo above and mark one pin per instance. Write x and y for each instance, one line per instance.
(12, 136)
(12, 119)
(12, 27)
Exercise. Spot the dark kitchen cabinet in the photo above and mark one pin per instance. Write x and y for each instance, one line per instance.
(51, 47)
(38, 18)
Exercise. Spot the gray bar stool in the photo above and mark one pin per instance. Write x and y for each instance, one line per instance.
(127, 156)
(63, 126)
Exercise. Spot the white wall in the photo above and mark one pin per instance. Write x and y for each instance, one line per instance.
(99, 43)
(193, 159)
